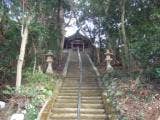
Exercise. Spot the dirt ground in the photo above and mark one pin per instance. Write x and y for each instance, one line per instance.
(138, 102)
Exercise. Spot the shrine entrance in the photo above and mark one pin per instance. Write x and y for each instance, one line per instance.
(77, 44)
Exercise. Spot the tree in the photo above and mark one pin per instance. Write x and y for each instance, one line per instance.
(24, 34)
(91, 19)
(126, 52)
(131, 28)
(54, 28)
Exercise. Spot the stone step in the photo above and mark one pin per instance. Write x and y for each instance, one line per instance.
(65, 105)
(91, 98)
(68, 91)
(93, 116)
(68, 94)
(64, 110)
(99, 101)
(69, 88)
(93, 119)
(82, 88)
(63, 116)
(78, 80)
(74, 110)
(82, 85)
(92, 101)
(89, 83)
(68, 97)
(91, 76)
(60, 118)
(91, 90)
(90, 93)
(91, 106)
(73, 76)
(70, 85)
(71, 81)
(74, 105)
(66, 100)
(83, 93)
(92, 111)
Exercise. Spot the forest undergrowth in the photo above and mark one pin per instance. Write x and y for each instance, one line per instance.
(38, 87)
(132, 100)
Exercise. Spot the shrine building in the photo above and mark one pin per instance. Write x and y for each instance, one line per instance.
(77, 40)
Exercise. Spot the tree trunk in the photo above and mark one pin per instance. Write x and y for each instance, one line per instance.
(24, 35)
(126, 56)
(98, 55)
(35, 58)
(60, 22)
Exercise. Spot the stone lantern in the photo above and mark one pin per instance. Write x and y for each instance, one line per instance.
(108, 59)
(49, 61)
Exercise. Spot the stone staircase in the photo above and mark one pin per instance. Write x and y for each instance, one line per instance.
(66, 104)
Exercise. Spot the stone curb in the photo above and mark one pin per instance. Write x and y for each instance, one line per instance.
(94, 67)
(44, 112)
(66, 65)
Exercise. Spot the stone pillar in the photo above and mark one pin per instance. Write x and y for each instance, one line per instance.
(108, 59)
(49, 61)
(83, 47)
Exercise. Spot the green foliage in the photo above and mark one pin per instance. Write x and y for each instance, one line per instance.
(37, 88)
(35, 77)
(39, 78)
(32, 112)
(156, 72)
(111, 82)
(141, 23)
(9, 51)
(44, 33)
(8, 90)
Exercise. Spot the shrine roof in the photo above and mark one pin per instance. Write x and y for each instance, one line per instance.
(78, 36)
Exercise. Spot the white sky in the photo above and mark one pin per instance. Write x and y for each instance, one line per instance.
(72, 28)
